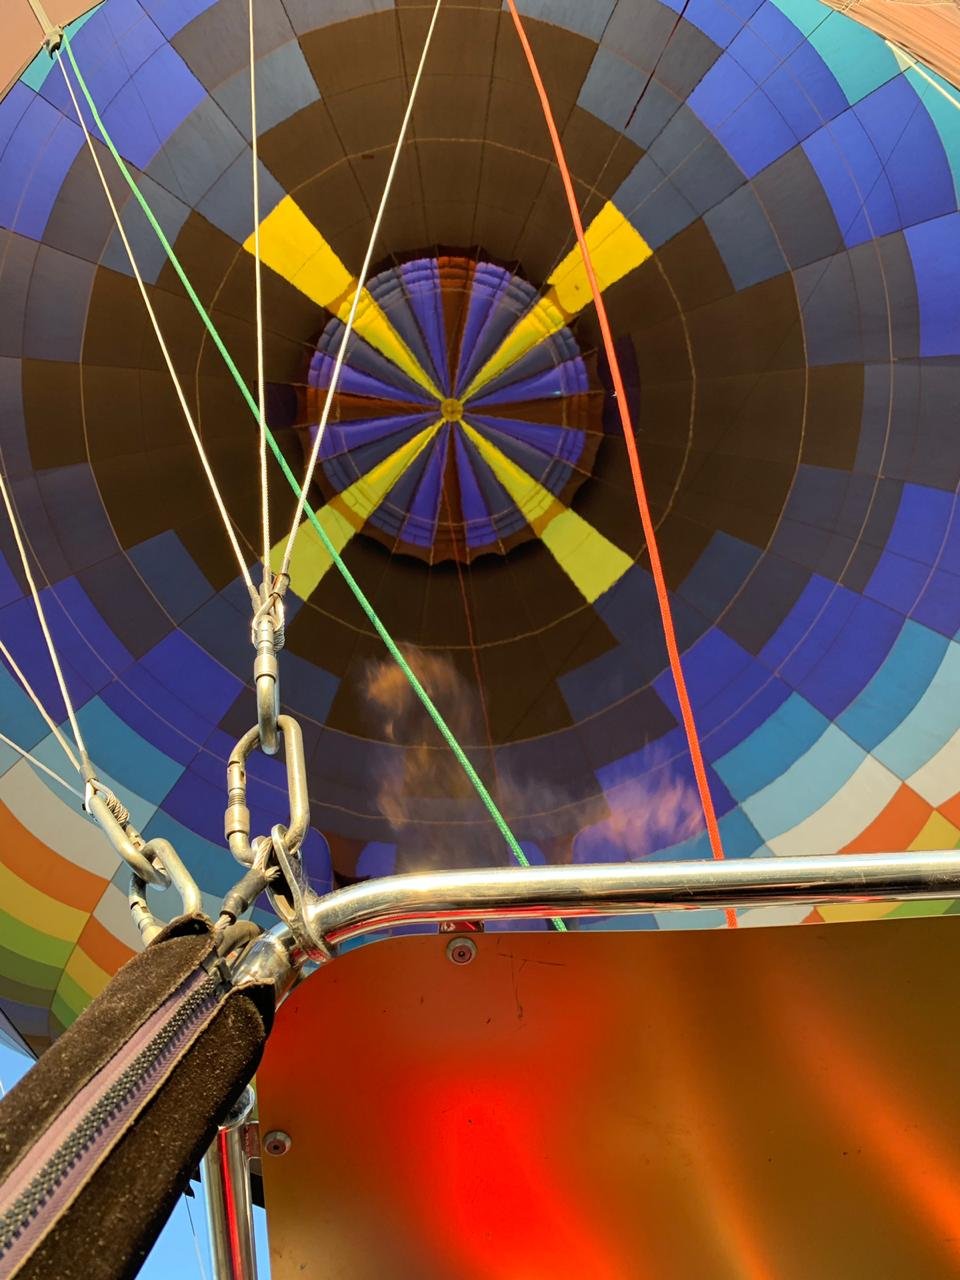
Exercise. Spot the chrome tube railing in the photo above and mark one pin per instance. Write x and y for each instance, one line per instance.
(597, 890)
(626, 888)
(226, 1182)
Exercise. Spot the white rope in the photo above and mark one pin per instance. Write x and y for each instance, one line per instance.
(38, 764)
(211, 479)
(899, 52)
(361, 281)
(196, 1241)
(51, 647)
(35, 699)
(261, 404)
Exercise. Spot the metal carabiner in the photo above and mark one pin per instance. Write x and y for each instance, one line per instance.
(266, 675)
(236, 820)
(177, 875)
(114, 820)
(267, 634)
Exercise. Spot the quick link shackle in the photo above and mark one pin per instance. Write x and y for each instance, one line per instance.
(236, 822)
(267, 633)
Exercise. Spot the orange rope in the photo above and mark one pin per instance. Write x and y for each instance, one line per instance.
(656, 567)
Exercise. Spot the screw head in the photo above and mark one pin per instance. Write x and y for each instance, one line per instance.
(461, 950)
(277, 1143)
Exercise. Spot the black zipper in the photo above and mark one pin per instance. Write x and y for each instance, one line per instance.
(31, 1208)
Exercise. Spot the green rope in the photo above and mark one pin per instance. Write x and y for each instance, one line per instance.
(392, 647)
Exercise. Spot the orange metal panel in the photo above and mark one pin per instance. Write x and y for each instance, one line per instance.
(771, 1103)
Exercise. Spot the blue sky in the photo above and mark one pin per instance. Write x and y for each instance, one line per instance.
(176, 1252)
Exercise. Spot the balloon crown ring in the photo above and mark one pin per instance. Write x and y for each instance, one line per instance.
(451, 409)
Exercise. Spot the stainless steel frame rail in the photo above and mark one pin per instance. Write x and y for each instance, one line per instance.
(226, 1184)
(540, 892)
(625, 889)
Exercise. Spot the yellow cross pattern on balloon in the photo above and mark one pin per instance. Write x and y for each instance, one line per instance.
(294, 248)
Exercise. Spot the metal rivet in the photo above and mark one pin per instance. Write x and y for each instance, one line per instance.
(461, 950)
(277, 1143)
